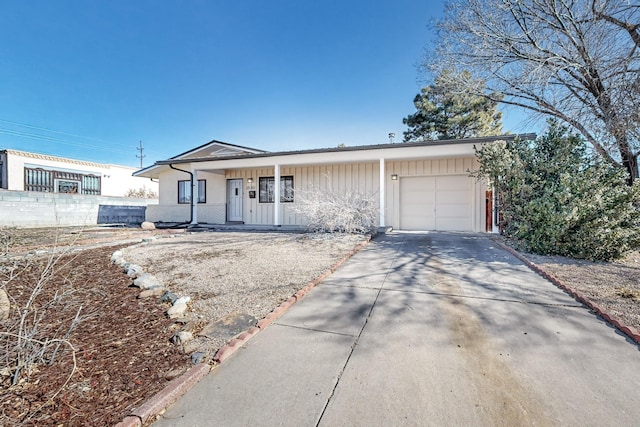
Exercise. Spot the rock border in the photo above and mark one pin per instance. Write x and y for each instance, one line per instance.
(631, 332)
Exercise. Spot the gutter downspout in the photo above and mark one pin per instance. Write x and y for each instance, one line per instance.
(192, 196)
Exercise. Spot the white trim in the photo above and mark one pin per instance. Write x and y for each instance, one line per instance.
(194, 198)
(382, 195)
(276, 195)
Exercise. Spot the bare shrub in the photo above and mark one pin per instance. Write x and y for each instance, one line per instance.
(141, 193)
(29, 338)
(6, 238)
(329, 211)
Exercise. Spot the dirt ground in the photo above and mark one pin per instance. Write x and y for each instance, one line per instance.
(113, 350)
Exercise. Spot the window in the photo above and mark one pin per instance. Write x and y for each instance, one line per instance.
(56, 181)
(267, 187)
(65, 186)
(184, 191)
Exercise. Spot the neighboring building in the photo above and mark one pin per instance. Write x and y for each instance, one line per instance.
(419, 186)
(23, 171)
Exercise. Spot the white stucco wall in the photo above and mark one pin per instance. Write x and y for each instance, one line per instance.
(116, 180)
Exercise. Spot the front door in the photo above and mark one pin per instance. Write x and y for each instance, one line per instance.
(234, 200)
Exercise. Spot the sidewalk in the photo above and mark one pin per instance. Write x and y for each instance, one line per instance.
(425, 329)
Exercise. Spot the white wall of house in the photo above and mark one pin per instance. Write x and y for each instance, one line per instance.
(169, 210)
(116, 180)
(432, 189)
(341, 177)
(359, 177)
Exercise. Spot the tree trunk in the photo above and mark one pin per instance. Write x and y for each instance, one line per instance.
(630, 162)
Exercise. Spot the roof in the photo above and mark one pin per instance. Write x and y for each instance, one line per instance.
(149, 171)
(219, 147)
(175, 160)
(60, 159)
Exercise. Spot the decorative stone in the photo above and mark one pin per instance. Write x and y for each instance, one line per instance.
(182, 300)
(121, 262)
(148, 225)
(153, 292)
(134, 270)
(177, 310)
(182, 337)
(5, 305)
(147, 281)
(116, 256)
(198, 357)
(169, 297)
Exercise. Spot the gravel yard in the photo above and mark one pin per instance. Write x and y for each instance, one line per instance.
(236, 275)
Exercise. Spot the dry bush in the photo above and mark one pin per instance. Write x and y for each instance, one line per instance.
(329, 211)
(6, 238)
(141, 193)
(27, 339)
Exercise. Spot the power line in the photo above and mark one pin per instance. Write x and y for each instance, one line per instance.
(61, 132)
(57, 141)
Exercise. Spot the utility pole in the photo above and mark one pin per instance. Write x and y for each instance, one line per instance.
(141, 156)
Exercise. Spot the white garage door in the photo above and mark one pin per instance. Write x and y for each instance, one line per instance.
(436, 203)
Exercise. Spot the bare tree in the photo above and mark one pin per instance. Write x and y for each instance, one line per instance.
(576, 60)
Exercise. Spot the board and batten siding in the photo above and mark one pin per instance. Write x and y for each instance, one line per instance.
(433, 167)
(359, 177)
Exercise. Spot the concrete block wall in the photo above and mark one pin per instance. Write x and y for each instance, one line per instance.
(33, 209)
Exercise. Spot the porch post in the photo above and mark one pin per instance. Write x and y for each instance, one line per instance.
(194, 197)
(382, 185)
(276, 196)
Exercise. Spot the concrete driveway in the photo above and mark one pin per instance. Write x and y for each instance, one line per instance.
(425, 329)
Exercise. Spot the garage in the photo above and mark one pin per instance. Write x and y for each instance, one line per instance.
(436, 203)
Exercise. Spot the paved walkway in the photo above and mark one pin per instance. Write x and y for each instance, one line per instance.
(425, 329)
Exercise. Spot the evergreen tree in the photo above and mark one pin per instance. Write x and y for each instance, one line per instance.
(445, 112)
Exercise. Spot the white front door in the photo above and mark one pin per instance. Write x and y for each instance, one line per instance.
(234, 200)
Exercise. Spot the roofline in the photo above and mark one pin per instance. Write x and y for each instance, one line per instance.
(173, 160)
(50, 157)
(255, 150)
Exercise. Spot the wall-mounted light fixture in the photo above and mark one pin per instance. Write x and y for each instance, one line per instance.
(394, 177)
(249, 180)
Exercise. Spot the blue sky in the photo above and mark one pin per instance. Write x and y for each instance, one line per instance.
(89, 79)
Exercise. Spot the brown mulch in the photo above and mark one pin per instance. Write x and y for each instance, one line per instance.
(122, 351)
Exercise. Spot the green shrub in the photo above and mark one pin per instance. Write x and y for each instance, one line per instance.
(558, 199)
